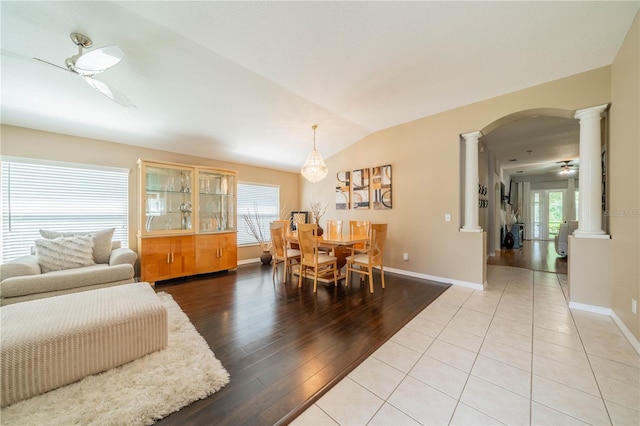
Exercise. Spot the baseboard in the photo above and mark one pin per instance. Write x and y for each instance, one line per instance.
(247, 261)
(466, 284)
(635, 344)
(627, 333)
(590, 308)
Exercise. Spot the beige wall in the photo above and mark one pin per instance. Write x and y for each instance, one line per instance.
(426, 173)
(22, 142)
(424, 155)
(624, 178)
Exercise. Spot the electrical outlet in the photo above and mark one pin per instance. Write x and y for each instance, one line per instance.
(447, 217)
(405, 256)
(634, 306)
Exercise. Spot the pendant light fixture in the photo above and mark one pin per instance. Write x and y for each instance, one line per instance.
(314, 169)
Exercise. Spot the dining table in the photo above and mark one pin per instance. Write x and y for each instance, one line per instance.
(338, 244)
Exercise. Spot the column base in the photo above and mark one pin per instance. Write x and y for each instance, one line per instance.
(591, 234)
(471, 229)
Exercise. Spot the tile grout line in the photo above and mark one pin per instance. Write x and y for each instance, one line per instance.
(593, 373)
(476, 358)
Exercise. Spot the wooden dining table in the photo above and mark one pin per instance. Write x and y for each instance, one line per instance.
(339, 245)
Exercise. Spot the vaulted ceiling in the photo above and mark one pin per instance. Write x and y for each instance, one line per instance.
(245, 81)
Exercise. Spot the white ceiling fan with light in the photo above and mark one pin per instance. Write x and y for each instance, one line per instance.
(86, 64)
(567, 168)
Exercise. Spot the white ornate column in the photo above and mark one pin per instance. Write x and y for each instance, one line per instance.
(590, 183)
(471, 179)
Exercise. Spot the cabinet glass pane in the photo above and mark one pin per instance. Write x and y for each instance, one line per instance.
(169, 199)
(216, 201)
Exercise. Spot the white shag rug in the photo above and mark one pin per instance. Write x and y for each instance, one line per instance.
(138, 393)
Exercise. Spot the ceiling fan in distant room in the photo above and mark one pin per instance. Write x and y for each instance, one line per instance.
(87, 64)
(567, 168)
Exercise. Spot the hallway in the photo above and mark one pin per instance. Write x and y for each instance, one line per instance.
(534, 254)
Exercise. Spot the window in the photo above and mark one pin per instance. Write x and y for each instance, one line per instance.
(266, 198)
(61, 197)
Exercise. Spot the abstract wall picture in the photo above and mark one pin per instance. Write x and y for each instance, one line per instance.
(343, 186)
(381, 187)
(360, 189)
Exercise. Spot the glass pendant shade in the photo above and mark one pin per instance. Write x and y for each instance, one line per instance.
(314, 169)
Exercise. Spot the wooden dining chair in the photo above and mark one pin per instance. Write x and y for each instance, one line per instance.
(333, 232)
(358, 229)
(334, 229)
(312, 258)
(283, 254)
(364, 262)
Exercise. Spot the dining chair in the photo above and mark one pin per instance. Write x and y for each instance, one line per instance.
(283, 254)
(364, 262)
(312, 258)
(359, 228)
(333, 232)
(334, 229)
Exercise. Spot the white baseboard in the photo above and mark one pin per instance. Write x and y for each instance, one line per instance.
(590, 308)
(247, 261)
(467, 284)
(607, 311)
(627, 333)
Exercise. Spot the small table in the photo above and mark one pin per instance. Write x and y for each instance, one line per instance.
(338, 244)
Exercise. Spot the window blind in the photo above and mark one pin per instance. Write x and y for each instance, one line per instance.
(60, 197)
(266, 198)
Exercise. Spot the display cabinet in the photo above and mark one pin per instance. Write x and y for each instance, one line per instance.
(216, 201)
(167, 199)
(187, 222)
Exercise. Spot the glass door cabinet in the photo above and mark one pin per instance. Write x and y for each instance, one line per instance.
(216, 201)
(187, 221)
(167, 199)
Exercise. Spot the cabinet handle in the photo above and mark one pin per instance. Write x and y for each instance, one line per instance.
(168, 257)
(171, 257)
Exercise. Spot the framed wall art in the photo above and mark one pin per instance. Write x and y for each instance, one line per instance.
(360, 191)
(381, 187)
(298, 217)
(343, 187)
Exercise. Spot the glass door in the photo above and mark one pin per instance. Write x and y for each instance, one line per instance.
(167, 198)
(555, 209)
(547, 207)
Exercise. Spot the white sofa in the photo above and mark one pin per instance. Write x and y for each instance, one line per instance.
(562, 238)
(33, 277)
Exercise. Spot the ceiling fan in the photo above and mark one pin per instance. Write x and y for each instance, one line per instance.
(567, 168)
(87, 64)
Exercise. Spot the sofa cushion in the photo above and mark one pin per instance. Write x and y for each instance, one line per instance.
(101, 241)
(65, 253)
(64, 280)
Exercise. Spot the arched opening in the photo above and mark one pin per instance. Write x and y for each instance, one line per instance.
(525, 151)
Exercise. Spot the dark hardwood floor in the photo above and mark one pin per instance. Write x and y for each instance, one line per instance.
(536, 255)
(283, 346)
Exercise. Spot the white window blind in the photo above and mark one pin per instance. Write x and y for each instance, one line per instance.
(267, 200)
(60, 197)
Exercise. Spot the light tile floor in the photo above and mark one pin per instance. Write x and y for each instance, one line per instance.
(514, 354)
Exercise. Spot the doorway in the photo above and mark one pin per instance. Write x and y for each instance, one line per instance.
(547, 213)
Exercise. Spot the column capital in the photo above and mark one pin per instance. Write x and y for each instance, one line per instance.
(472, 135)
(595, 111)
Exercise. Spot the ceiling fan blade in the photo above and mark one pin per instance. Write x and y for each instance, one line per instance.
(98, 60)
(22, 57)
(109, 92)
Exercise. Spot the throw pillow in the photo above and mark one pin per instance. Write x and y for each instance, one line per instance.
(101, 242)
(65, 253)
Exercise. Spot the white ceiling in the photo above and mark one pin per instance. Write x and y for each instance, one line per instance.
(244, 81)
